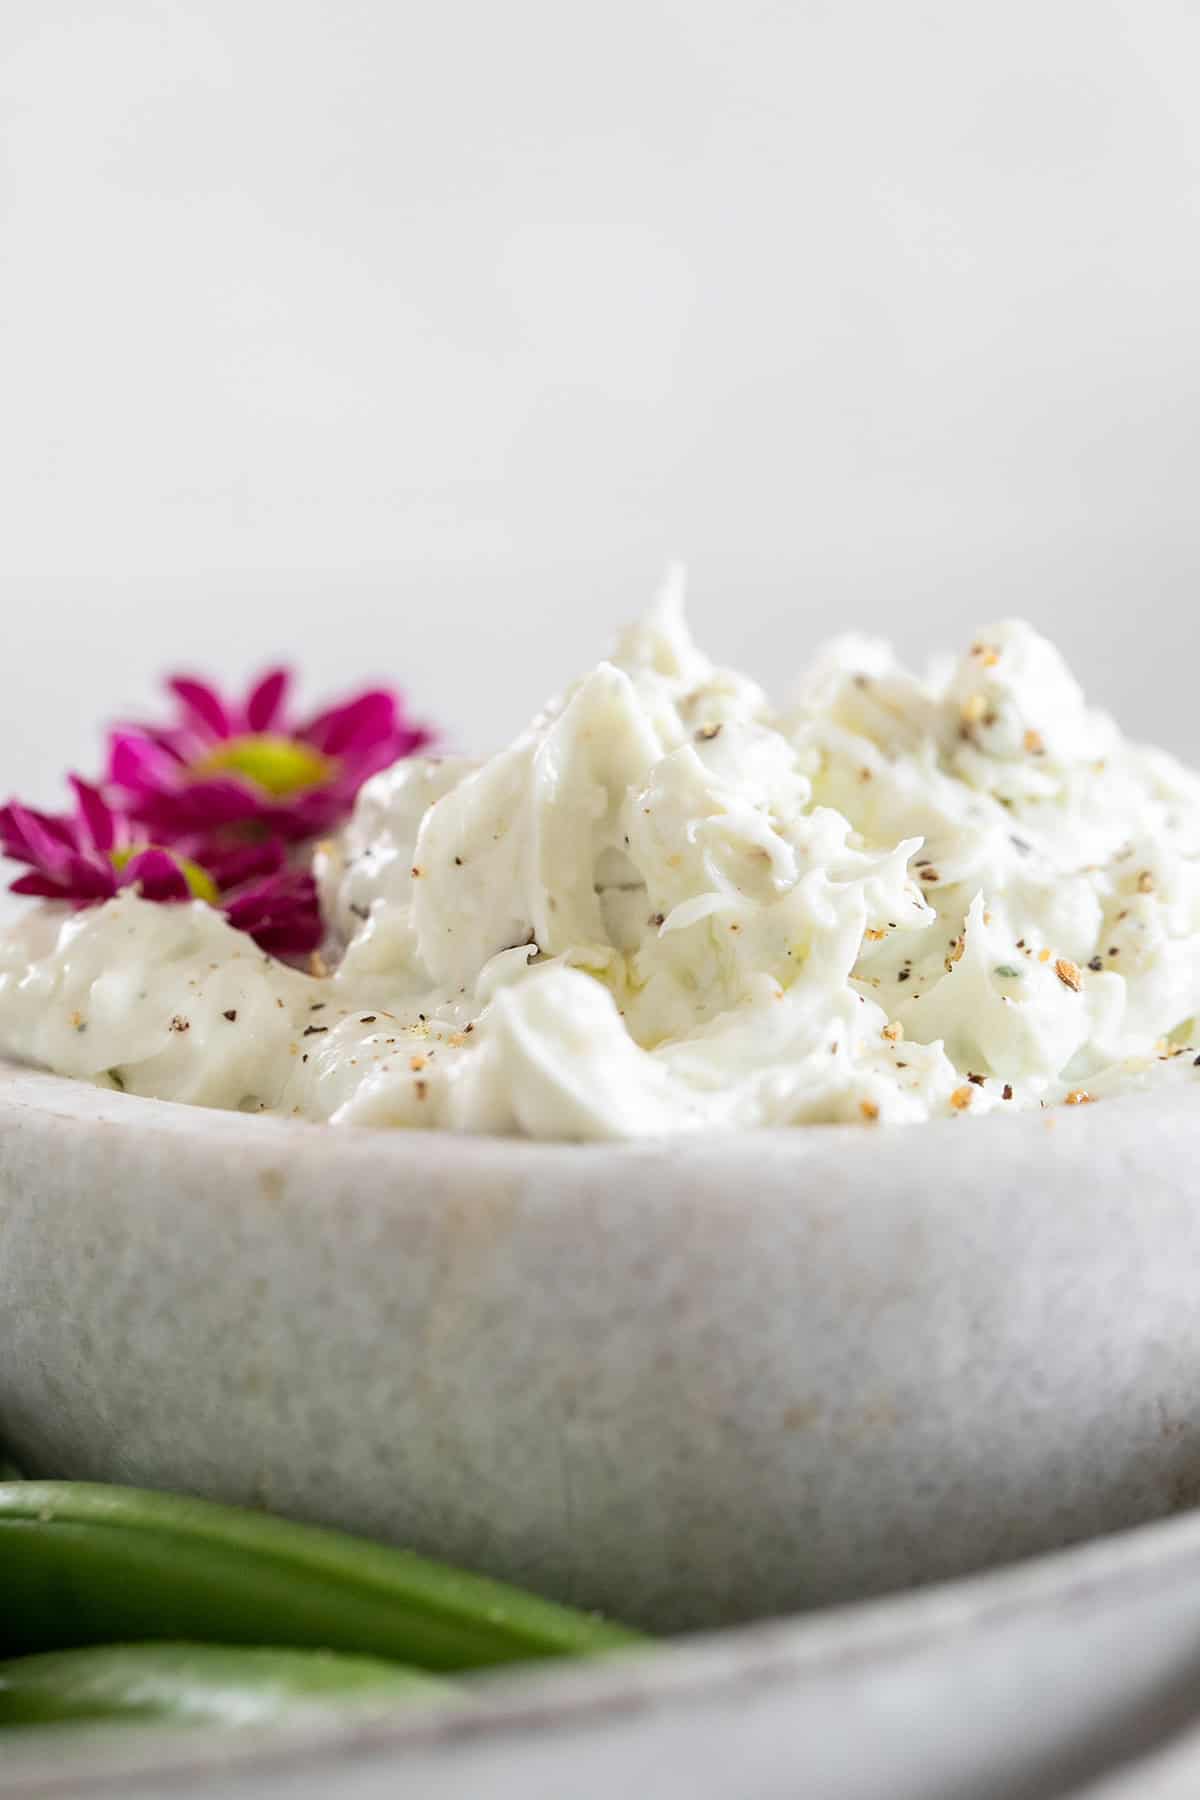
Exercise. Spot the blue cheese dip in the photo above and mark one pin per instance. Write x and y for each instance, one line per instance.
(668, 906)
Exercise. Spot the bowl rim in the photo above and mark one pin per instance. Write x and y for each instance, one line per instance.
(28, 1092)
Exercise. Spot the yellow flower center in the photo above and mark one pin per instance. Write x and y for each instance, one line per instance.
(279, 765)
(200, 882)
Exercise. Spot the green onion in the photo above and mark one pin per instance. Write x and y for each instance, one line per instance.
(211, 1684)
(85, 1564)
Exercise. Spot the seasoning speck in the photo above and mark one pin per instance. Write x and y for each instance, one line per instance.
(1008, 1093)
(179, 1023)
(1068, 974)
(960, 1099)
(231, 1015)
(868, 1109)
(313, 1030)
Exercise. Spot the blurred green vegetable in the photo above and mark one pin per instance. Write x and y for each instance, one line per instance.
(196, 1684)
(85, 1564)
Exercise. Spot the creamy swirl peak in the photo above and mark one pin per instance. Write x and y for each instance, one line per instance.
(668, 906)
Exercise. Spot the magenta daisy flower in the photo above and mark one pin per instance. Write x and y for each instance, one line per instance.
(86, 857)
(92, 854)
(222, 763)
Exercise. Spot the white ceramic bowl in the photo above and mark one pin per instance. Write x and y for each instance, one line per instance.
(688, 1381)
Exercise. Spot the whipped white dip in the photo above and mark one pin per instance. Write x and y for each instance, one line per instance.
(668, 906)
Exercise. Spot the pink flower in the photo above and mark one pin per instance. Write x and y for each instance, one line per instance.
(91, 854)
(248, 764)
(86, 857)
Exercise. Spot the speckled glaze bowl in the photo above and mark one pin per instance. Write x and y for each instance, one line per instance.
(690, 1382)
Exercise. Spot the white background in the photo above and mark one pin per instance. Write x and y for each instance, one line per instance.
(410, 339)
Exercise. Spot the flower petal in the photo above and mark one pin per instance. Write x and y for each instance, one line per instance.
(204, 709)
(267, 699)
(90, 877)
(95, 815)
(412, 737)
(281, 914)
(36, 838)
(158, 876)
(230, 865)
(39, 885)
(198, 807)
(364, 720)
(139, 764)
(12, 837)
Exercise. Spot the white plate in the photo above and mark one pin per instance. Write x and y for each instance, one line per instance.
(689, 1382)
